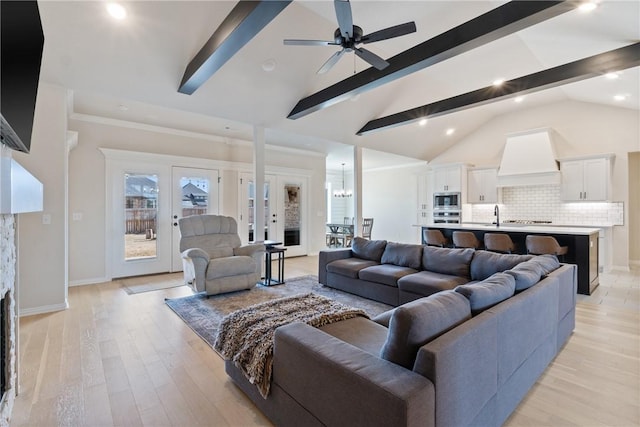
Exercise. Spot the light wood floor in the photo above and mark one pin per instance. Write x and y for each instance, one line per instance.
(119, 359)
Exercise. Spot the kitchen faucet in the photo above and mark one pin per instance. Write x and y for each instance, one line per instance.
(496, 212)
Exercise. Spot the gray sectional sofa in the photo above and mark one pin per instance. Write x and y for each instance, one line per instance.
(458, 357)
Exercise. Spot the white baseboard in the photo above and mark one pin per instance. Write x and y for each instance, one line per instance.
(85, 282)
(624, 268)
(44, 309)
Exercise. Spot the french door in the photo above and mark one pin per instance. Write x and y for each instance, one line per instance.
(194, 192)
(285, 202)
(145, 204)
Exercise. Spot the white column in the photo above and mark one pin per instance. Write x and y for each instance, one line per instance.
(357, 190)
(258, 179)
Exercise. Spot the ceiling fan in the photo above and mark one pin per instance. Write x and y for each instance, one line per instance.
(349, 36)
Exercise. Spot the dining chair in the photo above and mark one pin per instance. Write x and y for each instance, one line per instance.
(367, 226)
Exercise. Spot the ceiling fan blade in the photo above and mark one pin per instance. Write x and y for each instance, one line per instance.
(371, 58)
(345, 20)
(331, 62)
(296, 42)
(389, 33)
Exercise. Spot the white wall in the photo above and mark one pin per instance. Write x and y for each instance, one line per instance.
(42, 247)
(390, 198)
(584, 128)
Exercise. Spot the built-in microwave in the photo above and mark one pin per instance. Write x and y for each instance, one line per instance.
(446, 201)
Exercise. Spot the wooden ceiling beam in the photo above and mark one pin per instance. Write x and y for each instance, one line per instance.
(593, 66)
(243, 23)
(495, 24)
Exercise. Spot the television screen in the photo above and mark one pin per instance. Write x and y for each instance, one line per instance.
(21, 41)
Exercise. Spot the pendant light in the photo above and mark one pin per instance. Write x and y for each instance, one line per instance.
(342, 192)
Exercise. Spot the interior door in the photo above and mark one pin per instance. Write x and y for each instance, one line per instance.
(194, 192)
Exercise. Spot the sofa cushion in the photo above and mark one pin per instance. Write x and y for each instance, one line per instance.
(403, 254)
(426, 283)
(368, 249)
(485, 263)
(454, 262)
(349, 267)
(416, 323)
(360, 332)
(526, 274)
(387, 274)
(489, 292)
(384, 318)
(547, 263)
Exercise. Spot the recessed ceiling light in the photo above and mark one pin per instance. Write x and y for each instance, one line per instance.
(269, 65)
(587, 6)
(422, 122)
(518, 99)
(612, 76)
(122, 107)
(117, 11)
(620, 97)
(498, 82)
(450, 131)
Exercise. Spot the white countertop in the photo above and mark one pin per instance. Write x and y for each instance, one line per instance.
(540, 229)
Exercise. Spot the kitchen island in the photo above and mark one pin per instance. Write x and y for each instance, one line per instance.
(582, 243)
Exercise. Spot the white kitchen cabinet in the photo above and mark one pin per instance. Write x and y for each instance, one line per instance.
(586, 179)
(425, 198)
(448, 179)
(482, 186)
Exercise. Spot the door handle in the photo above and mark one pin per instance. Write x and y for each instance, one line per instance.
(175, 217)
(175, 224)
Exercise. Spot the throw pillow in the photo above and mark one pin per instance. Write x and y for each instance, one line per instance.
(402, 254)
(368, 249)
(454, 262)
(485, 263)
(415, 323)
(489, 292)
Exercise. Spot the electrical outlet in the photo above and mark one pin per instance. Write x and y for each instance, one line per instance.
(46, 219)
(77, 216)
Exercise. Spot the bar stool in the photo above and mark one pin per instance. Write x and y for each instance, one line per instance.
(539, 245)
(465, 239)
(434, 238)
(499, 242)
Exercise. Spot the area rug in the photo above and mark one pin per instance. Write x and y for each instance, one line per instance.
(156, 282)
(203, 314)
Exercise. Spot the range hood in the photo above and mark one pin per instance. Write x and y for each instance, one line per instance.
(529, 158)
(19, 190)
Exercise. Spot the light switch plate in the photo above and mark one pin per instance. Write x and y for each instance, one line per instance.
(46, 219)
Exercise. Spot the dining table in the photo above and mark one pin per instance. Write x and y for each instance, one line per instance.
(339, 230)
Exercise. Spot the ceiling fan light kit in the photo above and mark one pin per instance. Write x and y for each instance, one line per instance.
(349, 36)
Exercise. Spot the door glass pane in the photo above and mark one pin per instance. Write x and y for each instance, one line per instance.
(195, 195)
(141, 210)
(252, 210)
(292, 220)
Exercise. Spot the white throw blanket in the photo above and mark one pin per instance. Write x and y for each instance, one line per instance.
(246, 336)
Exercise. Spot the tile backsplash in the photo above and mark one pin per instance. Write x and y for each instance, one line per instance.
(543, 203)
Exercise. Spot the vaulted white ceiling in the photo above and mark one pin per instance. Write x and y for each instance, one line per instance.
(138, 63)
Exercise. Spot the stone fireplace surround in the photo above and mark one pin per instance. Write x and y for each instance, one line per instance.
(7, 290)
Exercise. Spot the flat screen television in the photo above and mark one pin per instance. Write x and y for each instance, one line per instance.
(21, 42)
